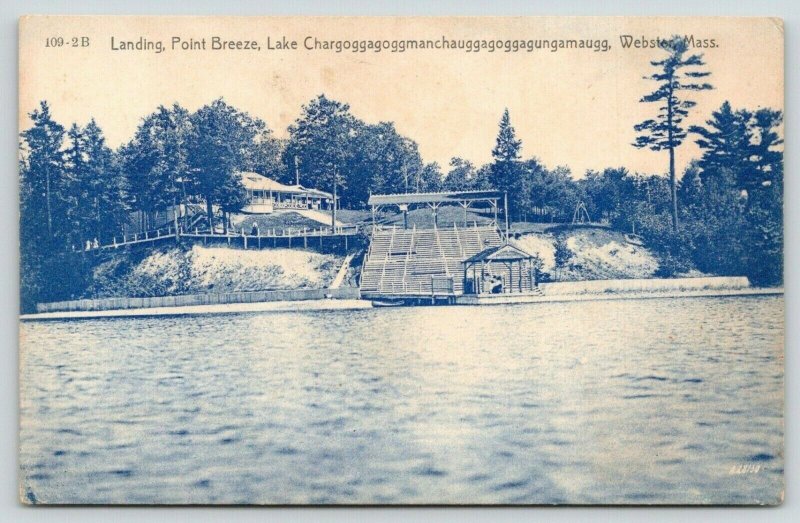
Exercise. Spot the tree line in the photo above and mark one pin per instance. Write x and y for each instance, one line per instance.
(75, 188)
(723, 216)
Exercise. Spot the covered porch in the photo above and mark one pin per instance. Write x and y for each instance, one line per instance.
(265, 196)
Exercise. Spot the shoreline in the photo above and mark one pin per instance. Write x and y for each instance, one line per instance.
(192, 310)
(360, 304)
(510, 299)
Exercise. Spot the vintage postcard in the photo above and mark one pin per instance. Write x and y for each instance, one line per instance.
(362, 260)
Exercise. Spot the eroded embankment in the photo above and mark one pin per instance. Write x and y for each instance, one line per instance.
(175, 270)
(592, 253)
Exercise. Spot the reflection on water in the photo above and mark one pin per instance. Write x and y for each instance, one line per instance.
(654, 401)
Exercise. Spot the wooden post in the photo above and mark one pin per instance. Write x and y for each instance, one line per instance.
(305, 238)
(335, 180)
(175, 209)
(505, 211)
(530, 273)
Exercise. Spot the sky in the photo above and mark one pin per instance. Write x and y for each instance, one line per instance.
(571, 107)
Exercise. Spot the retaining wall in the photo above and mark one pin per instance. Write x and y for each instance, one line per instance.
(643, 285)
(103, 304)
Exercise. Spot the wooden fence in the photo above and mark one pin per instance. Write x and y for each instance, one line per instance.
(240, 237)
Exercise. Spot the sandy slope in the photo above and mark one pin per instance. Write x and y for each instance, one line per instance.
(597, 254)
(219, 269)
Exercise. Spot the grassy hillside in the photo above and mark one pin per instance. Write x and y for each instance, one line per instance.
(281, 220)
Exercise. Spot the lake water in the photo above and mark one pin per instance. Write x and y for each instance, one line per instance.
(649, 401)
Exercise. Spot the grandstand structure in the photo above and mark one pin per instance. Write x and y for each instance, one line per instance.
(422, 263)
(438, 264)
(466, 199)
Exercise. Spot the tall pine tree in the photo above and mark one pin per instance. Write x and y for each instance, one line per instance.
(725, 143)
(103, 186)
(737, 207)
(675, 73)
(507, 173)
(42, 176)
(49, 268)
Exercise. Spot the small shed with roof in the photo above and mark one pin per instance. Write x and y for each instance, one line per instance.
(502, 269)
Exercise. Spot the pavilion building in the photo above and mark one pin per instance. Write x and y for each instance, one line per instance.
(266, 196)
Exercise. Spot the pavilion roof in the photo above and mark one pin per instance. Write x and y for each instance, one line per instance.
(434, 197)
(507, 252)
(258, 182)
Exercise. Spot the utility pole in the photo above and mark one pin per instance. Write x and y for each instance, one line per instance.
(175, 218)
(175, 208)
(333, 214)
(505, 203)
(296, 170)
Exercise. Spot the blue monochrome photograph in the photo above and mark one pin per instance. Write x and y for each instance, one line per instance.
(401, 260)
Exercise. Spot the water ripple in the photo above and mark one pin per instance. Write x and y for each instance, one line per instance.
(613, 402)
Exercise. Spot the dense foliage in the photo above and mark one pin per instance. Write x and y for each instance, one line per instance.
(74, 188)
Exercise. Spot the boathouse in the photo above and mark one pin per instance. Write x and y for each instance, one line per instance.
(265, 196)
(502, 269)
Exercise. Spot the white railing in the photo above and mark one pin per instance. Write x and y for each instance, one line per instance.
(290, 205)
(169, 232)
